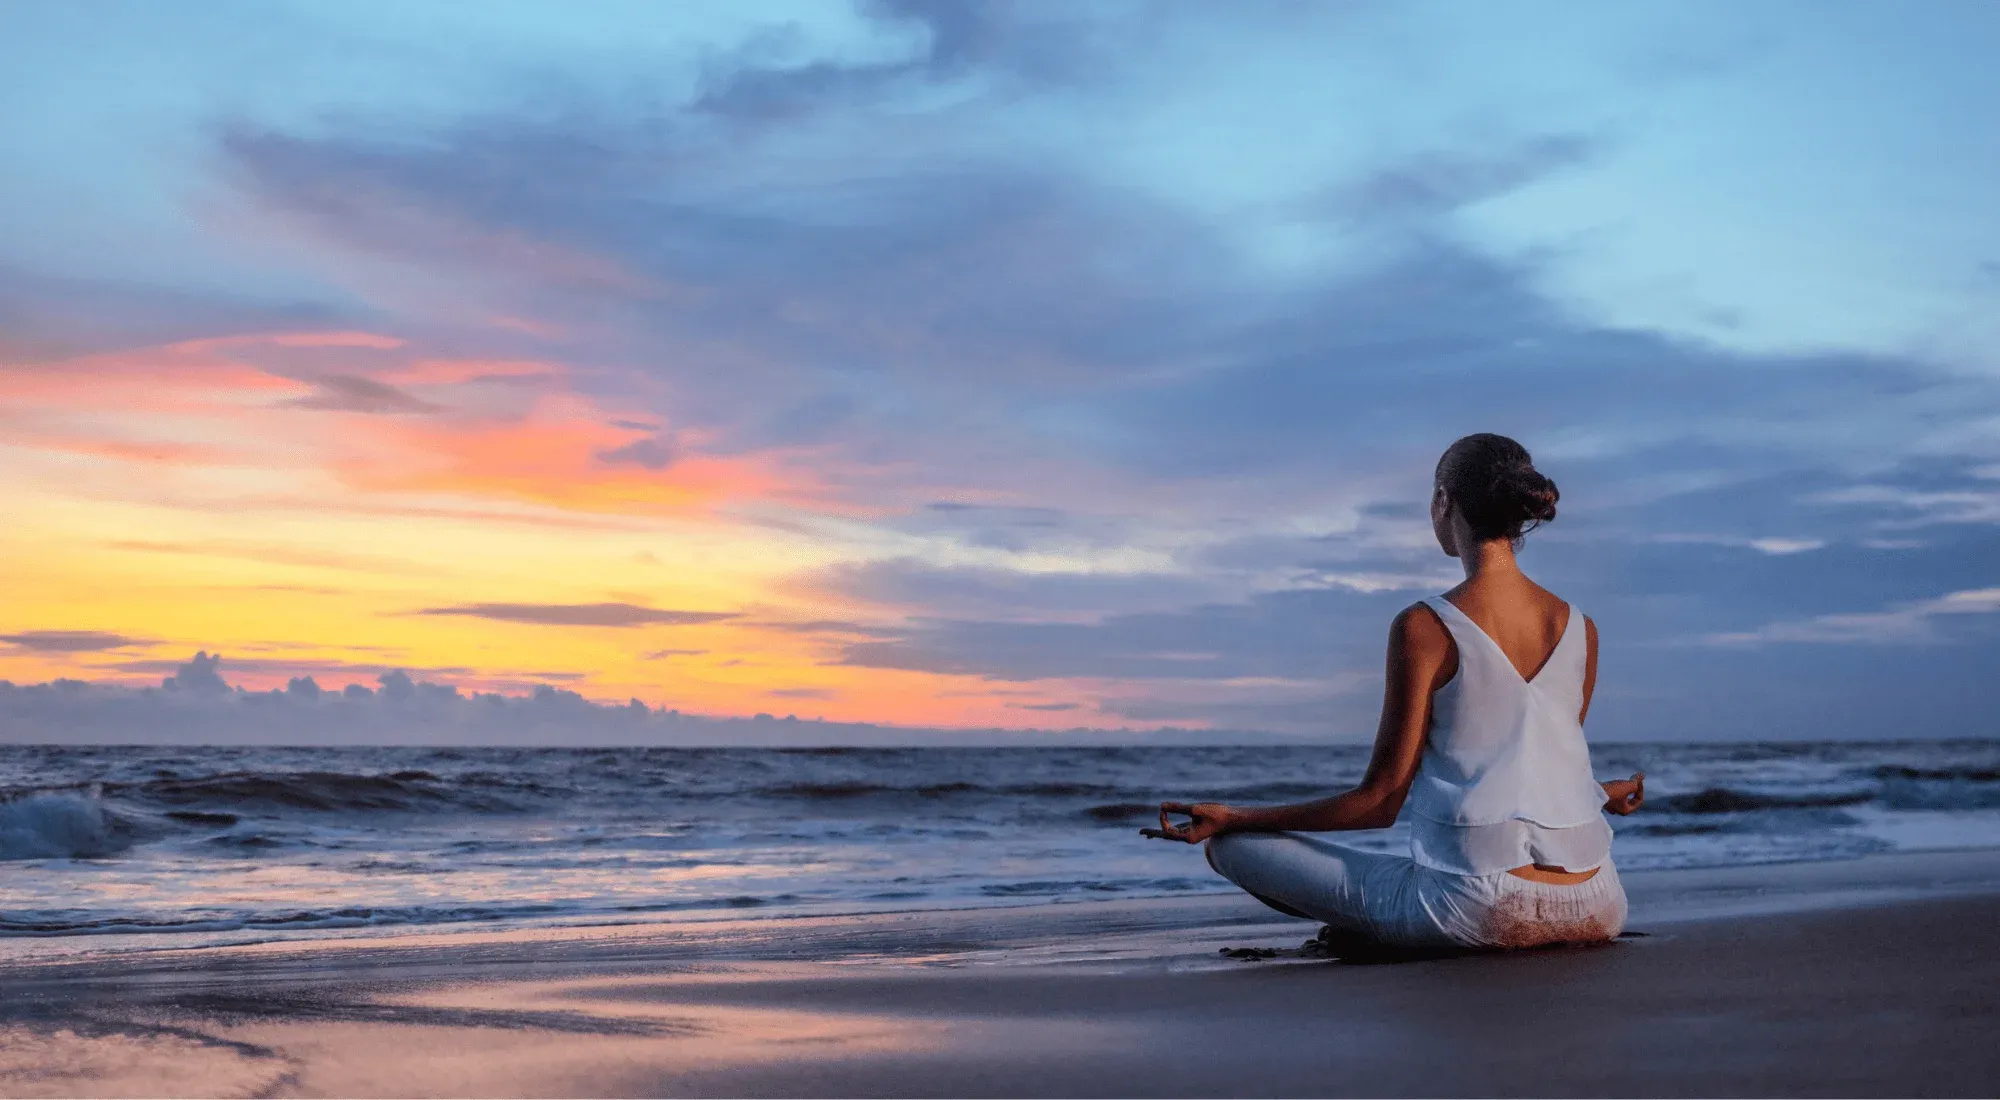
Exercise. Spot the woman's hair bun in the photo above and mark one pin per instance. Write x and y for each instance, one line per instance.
(1495, 485)
(1534, 494)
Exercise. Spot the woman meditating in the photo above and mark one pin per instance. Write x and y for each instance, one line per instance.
(1480, 748)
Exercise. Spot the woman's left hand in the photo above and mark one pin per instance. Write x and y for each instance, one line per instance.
(1209, 818)
(1623, 796)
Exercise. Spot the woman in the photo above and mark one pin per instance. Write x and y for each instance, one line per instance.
(1480, 747)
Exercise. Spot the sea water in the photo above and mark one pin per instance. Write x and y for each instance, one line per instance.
(219, 844)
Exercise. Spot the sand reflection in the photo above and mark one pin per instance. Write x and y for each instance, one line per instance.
(652, 1033)
(99, 1061)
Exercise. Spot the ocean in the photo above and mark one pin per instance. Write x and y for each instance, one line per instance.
(104, 847)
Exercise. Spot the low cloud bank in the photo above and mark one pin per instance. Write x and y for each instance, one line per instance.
(198, 706)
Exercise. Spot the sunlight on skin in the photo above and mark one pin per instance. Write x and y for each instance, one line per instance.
(218, 494)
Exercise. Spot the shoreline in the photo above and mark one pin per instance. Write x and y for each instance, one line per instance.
(1658, 895)
(1888, 967)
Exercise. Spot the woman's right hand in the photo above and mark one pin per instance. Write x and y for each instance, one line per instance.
(1208, 819)
(1622, 796)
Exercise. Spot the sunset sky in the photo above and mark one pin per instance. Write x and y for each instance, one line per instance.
(1037, 365)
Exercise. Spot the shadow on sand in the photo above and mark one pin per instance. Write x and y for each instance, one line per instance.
(1359, 949)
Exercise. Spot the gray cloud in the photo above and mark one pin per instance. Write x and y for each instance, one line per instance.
(874, 311)
(936, 276)
(1015, 528)
(1300, 635)
(830, 626)
(1682, 620)
(292, 666)
(407, 711)
(47, 317)
(579, 614)
(70, 641)
(655, 452)
(353, 393)
(1436, 183)
(802, 693)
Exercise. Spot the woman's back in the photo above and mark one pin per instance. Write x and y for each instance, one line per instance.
(1505, 775)
(1521, 617)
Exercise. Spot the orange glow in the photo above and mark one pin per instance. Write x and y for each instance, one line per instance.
(153, 451)
(552, 461)
(215, 494)
(139, 380)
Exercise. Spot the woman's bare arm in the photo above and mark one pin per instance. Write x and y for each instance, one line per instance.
(1589, 668)
(1621, 796)
(1421, 659)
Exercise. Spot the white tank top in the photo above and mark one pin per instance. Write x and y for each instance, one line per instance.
(1505, 779)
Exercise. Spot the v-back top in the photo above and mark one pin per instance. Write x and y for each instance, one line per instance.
(1505, 779)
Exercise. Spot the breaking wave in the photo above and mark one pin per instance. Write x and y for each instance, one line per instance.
(1724, 800)
(402, 791)
(61, 826)
(102, 820)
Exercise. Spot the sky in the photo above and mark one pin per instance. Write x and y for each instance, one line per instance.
(1037, 365)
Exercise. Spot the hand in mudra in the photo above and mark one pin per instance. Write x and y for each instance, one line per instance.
(1622, 796)
(1207, 819)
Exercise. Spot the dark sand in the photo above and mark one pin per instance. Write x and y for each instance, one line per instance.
(1871, 977)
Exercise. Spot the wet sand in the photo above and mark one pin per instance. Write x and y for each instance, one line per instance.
(1868, 977)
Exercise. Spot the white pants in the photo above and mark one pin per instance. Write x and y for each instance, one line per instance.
(1395, 900)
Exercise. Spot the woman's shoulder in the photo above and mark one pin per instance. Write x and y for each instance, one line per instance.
(1421, 612)
(1419, 625)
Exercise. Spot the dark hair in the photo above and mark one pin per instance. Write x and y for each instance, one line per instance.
(1496, 487)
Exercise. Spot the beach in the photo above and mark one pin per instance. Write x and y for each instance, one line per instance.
(1871, 976)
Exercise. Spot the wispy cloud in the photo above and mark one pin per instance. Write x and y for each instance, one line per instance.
(655, 452)
(830, 627)
(802, 693)
(579, 614)
(1776, 545)
(1920, 507)
(353, 393)
(1428, 184)
(1911, 623)
(71, 641)
(296, 666)
(271, 554)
